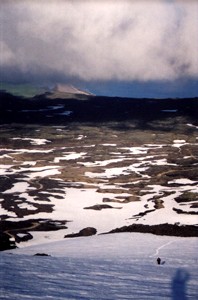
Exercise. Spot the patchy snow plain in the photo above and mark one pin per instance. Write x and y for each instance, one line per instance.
(70, 200)
(105, 267)
(77, 172)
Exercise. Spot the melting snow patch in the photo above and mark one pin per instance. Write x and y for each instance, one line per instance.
(182, 181)
(44, 171)
(191, 125)
(106, 145)
(27, 206)
(80, 137)
(31, 163)
(6, 156)
(100, 163)
(69, 156)
(18, 187)
(178, 143)
(19, 151)
(5, 169)
(33, 141)
(135, 150)
(112, 172)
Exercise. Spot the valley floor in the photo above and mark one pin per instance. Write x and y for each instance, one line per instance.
(73, 177)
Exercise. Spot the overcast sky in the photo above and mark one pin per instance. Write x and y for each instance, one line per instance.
(99, 40)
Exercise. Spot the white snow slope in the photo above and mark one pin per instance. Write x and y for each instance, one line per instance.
(106, 267)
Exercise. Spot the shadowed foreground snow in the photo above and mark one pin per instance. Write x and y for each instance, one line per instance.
(117, 266)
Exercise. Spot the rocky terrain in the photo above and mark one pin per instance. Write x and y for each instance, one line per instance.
(109, 164)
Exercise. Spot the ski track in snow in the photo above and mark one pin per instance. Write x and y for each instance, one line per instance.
(161, 247)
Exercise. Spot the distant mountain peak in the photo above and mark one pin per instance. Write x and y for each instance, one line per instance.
(69, 89)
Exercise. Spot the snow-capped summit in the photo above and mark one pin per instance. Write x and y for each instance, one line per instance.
(69, 89)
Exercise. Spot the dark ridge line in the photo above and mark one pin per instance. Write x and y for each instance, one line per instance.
(95, 109)
(160, 229)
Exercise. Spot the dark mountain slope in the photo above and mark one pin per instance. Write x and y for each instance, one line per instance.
(42, 110)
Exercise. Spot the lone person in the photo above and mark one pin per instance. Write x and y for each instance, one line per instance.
(158, 260)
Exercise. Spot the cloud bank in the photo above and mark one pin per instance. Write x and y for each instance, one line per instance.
(99, 40)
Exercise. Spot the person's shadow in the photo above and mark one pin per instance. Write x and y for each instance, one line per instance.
(179, 285)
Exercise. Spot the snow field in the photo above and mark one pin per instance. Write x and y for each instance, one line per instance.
(107, 267)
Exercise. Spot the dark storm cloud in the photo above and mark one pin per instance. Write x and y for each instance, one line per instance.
(99, 40)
